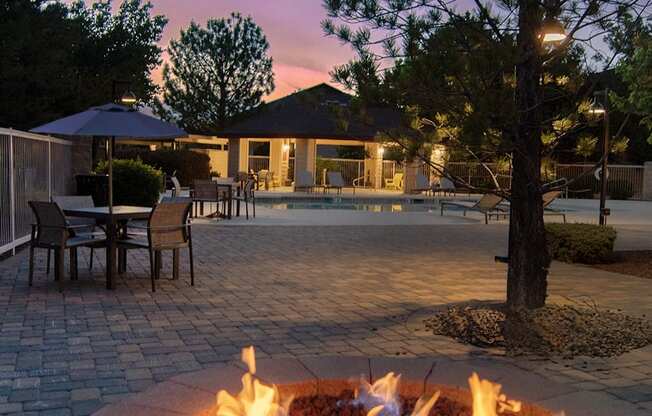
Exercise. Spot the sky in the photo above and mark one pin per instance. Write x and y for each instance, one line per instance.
(302, 55)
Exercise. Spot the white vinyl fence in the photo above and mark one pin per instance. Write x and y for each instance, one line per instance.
(32, 167)
(624, 180)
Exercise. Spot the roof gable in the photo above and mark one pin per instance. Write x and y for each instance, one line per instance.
(316, 112)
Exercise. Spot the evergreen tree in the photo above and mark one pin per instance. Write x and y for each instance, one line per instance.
(216, 73)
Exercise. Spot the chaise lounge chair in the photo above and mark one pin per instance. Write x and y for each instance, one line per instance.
(445, 186)
(489, 205)
(335, 181)
(422, 184)
(549, 198)
(304, 181)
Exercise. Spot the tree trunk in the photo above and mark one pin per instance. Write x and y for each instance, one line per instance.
(528, 255)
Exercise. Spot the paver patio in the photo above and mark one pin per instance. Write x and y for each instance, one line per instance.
(292, 292)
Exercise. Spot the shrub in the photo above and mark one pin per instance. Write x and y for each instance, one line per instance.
(620, 189)
(188, 165)
(134, 182)
(580, 243)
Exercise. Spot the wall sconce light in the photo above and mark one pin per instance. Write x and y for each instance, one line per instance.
(286, 147)
(381, 151)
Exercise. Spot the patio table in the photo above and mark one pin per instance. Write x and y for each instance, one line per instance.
(229, 185)
(121, 215)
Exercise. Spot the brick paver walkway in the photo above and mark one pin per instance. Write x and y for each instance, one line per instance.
(291, 291)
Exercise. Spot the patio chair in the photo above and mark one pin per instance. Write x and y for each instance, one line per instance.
(52, 232)
(489, 205)
(445, 186)
(247, 196)
(207, 190)
(422, 184)
(262, 178)
(335, 181)
(395, 183)
(304, 181)
(78, 201)
(168, 228)
(177, 189)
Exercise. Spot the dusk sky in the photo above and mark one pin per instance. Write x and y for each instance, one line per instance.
(302, 55)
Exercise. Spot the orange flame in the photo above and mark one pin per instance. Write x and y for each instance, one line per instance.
(382, 399)
(255, 398)
(487, 400)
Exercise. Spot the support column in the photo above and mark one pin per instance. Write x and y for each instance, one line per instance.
(233, 162)
(243, 161)
(647, 181)
(374, 165)
(276, 158)
(305, 156)
(410, 175)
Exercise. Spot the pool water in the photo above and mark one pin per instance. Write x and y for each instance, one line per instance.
(352, 205)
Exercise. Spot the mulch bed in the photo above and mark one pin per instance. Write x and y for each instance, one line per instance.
(634, 263)
(553, 330)
(327, 405)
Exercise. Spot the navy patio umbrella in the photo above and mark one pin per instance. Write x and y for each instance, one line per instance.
(114, 121)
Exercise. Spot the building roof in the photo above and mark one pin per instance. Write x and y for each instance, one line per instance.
(319, 112)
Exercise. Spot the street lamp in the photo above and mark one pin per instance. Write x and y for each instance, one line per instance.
(601, 109)
(552, 31)
(128, 98)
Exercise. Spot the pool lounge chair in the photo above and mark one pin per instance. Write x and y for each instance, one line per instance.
(489, 205)
(445, 186)
(549, 198)
(422, 184)
(304, 181)
(395, 183)
(335, 181)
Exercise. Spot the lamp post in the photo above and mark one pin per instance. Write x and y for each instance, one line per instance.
(127, 98)
(603, 110)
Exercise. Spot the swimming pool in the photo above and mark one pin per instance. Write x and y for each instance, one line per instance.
(350, 204)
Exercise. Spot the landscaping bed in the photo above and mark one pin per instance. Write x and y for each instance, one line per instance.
(634, 263)
(554, 330)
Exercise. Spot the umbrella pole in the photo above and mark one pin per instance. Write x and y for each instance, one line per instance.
(110, 162)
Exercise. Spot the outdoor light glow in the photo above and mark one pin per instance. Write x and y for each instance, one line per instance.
(128, 98)
(381, 151)
(596, 111)
(286, 147)
(553, 37)
(552, 31)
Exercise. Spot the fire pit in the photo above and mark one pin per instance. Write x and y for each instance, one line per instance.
(336, 397)
(386, 396)
(289, 388)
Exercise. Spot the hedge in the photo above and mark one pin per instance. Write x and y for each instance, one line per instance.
(134, 182)
(580, 243)
(187, 164)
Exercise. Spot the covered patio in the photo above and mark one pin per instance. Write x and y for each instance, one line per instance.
(306, 131)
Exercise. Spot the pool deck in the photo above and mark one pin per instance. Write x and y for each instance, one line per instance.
(576, 210)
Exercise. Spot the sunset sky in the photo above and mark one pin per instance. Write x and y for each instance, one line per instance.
(302, 55)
